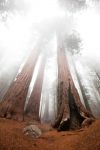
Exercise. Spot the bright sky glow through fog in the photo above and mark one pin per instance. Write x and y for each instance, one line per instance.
(19, 32)
(19, 29)
(88, 26)
(44, 9)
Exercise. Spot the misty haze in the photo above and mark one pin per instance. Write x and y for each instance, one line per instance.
(49, 70)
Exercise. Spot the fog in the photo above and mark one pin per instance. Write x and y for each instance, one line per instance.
(33, 24)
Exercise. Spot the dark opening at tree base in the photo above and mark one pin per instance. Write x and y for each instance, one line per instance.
(78, 116)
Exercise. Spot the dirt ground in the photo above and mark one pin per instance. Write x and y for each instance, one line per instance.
(13, 138)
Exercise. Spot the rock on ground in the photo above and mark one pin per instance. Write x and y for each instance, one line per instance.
(33, 131)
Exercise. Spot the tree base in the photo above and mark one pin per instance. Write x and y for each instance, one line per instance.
(76, 117)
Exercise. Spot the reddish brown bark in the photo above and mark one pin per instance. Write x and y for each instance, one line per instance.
(32, 109)
(71, 112)
(12, 105)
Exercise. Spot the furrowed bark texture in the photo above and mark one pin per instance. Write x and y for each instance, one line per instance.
(12, 106)
(71, 112)
(63, 76)
(32, 109)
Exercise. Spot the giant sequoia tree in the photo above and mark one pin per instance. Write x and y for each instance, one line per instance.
(71, 112)
(74, 46)
(32, 109)
(12, 105)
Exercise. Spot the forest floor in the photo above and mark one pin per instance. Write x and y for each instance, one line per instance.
(13, 138)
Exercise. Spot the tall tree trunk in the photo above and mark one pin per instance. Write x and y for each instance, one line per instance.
(71, 112)
(32, 108)
(12, 105)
